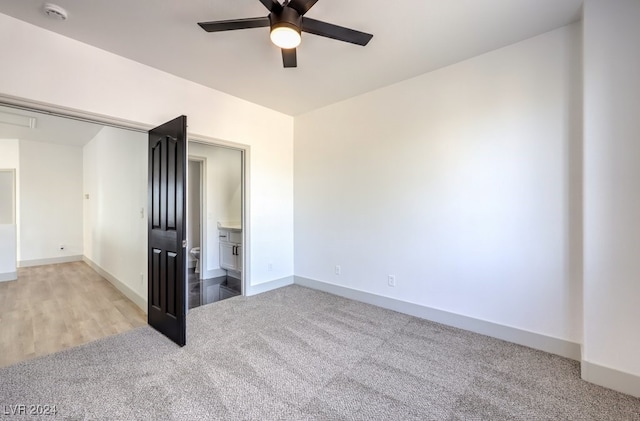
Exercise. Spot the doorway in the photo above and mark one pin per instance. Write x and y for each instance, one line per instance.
(214, 223)
(75, 280)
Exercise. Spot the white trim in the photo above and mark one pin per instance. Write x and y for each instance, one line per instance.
(8, 276)
(245, 183)
(72, 113)
(49, 261)
(120, 286)
(269, 285)
(203, 241)
(213, 273)
(610, 378)
(511, 334)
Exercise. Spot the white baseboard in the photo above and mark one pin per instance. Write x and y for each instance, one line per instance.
(522, 337)
(214, 273)
(268, 286)
(8, 276)
(610, 378)
(49, 261)
(120, 286)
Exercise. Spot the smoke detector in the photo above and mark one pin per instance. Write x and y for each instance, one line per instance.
(54, 11)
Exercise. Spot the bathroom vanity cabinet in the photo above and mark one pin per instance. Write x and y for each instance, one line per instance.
(230, 248)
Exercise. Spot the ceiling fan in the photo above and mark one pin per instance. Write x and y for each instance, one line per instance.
(287, 22)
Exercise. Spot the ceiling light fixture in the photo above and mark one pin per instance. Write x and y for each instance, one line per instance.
(285, 28)
(285, 37)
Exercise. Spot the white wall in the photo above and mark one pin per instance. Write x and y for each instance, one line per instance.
(9, 154)
(7, 196)
(458, 182)
(115, 220)
(8, 252)
(50, 201)
(222, 191)
(9, 159)
(611, 194)
(85, 78)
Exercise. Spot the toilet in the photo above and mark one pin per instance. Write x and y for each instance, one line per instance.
(195, 253)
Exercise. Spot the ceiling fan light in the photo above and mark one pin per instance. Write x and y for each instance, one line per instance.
(285, 36)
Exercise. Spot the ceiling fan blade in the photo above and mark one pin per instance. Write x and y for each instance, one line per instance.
(289, 57)
(229, 25)
(340, 33)
(302, 6)
(271, 5)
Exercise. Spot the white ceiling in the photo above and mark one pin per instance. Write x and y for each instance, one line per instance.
(47, 128)
(411, 37)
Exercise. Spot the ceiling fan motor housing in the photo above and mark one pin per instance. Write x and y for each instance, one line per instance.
(287, 17)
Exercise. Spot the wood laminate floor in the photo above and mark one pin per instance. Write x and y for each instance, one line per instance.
(54, 307)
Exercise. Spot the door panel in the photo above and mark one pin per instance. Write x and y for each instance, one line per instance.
(167, 204)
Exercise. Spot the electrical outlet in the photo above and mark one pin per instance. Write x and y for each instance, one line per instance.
(270, 267)
(392, 280)
(338, 270)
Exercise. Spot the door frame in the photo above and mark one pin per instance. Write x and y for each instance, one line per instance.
(203, 208)
(89, 117)
(244, 206)
(203, 191)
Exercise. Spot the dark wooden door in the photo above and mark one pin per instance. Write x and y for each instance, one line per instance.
(167, 220)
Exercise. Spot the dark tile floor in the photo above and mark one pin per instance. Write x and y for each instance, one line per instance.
(207, 291)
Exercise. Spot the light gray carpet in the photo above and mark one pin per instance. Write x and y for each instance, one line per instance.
(300, 354)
